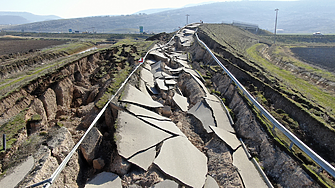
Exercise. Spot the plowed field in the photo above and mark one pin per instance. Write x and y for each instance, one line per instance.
(320, 56)
(9, 45)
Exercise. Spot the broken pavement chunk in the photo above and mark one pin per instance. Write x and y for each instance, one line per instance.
(180, 159)
(183, 63)
(161, 85)
(156, 67)
(143, 88)
(181, 102)
(227, 137)
(147, 77)
(139, 111)
(153, 90)
(247, 170)
(144, 159)
(133, 95)
(219, 114)
(166, 184)
(165, 125)
(211, 183)
(147, 66)
(105, 179)
(204, 114)
(170, 82)
(90, 145)
(150, 61)
(133, 135)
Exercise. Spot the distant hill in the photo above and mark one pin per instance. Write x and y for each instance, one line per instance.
(12, 20)
(23, 18)
(152, 11)
(305, 16)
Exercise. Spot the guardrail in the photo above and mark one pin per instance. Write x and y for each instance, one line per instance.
(294, 140)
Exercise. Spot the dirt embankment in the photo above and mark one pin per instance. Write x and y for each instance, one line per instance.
(314, 133)
(65, 98)
(9, 68)
(313, 77)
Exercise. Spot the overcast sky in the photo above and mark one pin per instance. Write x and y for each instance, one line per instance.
(85, 8)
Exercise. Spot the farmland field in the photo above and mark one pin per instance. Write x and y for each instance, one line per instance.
(319, 56)
(13, 45)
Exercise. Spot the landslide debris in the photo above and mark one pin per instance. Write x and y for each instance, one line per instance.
(63, 103)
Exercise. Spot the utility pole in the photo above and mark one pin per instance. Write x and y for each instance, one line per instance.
(187, 15)
(276, 25)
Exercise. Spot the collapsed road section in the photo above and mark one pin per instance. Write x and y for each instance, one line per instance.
(168, 121)
(166, 129)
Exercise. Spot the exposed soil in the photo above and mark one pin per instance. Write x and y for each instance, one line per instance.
(318, 56)
(64, 98)
(11, 47)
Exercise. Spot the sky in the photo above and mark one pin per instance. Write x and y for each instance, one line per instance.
(86, 8)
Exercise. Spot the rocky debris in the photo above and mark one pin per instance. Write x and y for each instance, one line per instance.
(50, 103)
(93, 95)
(61, 144)
(138, 179)
(90, 145)
(14, 104)
(98, 163)
(84, 110)
(119, 165)
(166, 111)
(80, 95)
(44, 167)
(36, 117)
(220, 164)
(190, 88)
(89, 113)
(105, 180)
(64, 92)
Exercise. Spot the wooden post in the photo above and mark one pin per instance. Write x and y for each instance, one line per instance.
(4, 141)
